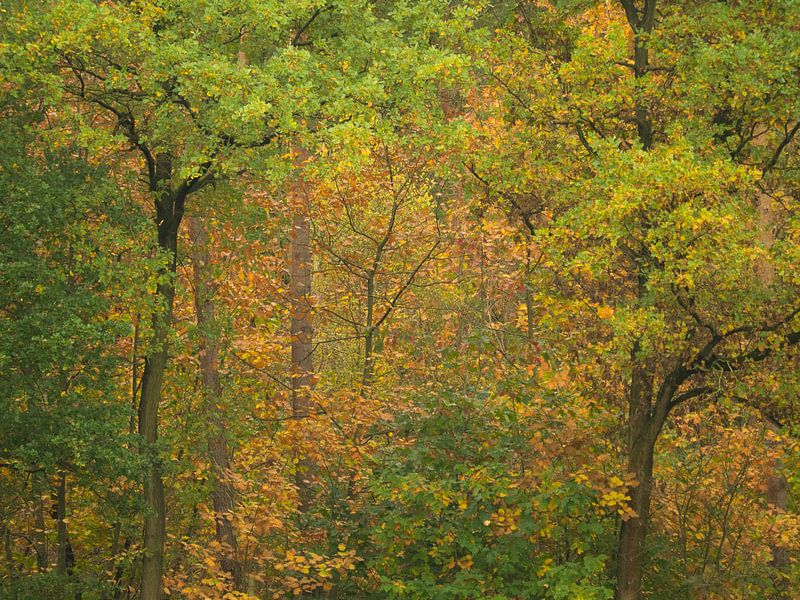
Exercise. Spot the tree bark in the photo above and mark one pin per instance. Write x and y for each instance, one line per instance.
(777, 485)
(641, 443)
(223, 494)
(369, 333)
(778, 500)
(302, 335)
(115, 564)
(39, 536)
(65, 558)
(8, 552)
(169, 212)
(633, 532)
(644, 423)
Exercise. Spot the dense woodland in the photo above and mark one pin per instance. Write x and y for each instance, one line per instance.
(399, 299)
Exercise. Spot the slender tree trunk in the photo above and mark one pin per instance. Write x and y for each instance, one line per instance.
(169, 212)
(641, 443)
(778, 500)
(39, 536)
(777, 485)
(65, 558)
(764, 267)
(529, 319)
(115, 564)
(119, 572)
(8, 553)
(302, 332)
(223, 494)
(371, 326)
(369, 334)
(116, 539)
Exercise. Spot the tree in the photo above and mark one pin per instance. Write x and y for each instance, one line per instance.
(223, 495)
(131, 66)
(61, 295)
(375, 213)
(476, 299)
(302, 324)
(651, 203)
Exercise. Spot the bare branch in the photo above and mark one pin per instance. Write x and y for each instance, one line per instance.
(404, 287)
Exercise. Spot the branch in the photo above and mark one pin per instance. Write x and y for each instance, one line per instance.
(736, 362)
(777, 154)
(689, 394)
(261, 370)
(584, 142)
(514, 94)
(296, 40)
(631, 12)
(193, 184)
(347, 263)
(349, 213)
(770, 418)
(526, 215)
(404, 287)
(355, 324)
(686, 305)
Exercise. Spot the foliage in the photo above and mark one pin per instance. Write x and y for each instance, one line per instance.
(444, 299)
(468, 505)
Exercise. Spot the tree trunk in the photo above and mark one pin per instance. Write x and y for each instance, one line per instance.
(169, 212)
(115, 563)
(633, 532)
(39, 536)
(116, 538)
(778, 500)
(8, 552)
(223, 494)
(65, 559)
(529, 317)
(642, 426)
(369, 334)
(302, 333)
(641, 442)
(154, 518)
(777, 485)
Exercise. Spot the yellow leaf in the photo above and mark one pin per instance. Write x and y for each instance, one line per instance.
(605, 312)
